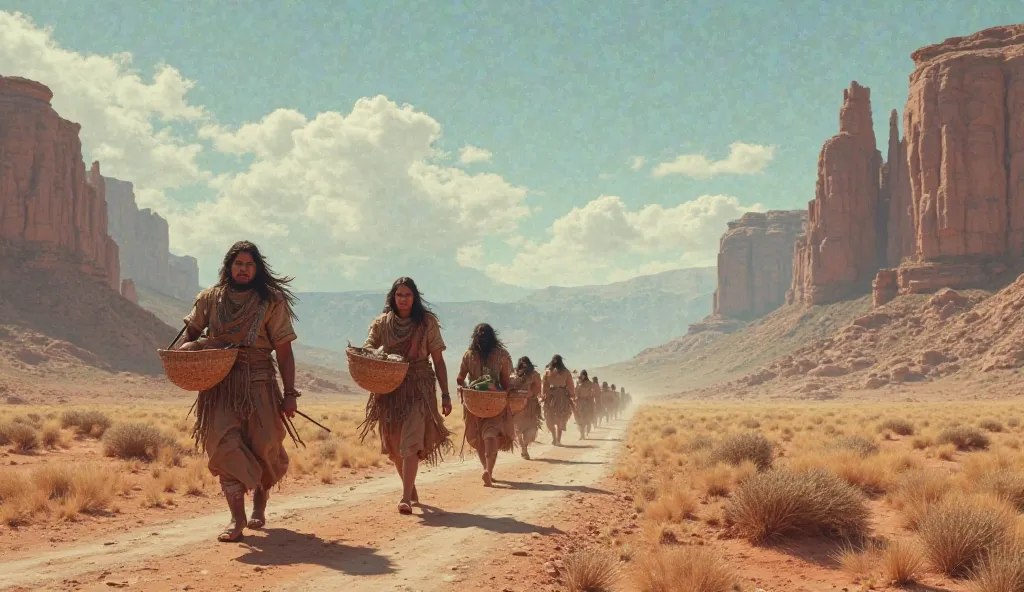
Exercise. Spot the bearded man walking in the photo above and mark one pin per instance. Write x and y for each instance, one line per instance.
(241, 423)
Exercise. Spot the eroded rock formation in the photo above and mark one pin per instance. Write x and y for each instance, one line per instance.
(128, 291)
(963, 154)
(52, 212)
(144, 240)
(755, 263)
(842, 249)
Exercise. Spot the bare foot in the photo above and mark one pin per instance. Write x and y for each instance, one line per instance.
(232, 533)
(487, 479)
(415, 495)
(404, 507)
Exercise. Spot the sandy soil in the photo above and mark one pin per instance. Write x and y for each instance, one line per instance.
(346, 536)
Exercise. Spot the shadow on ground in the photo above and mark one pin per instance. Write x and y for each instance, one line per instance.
(437, 517)
(285, 547)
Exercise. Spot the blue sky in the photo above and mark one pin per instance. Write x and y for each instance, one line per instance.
(563, 94)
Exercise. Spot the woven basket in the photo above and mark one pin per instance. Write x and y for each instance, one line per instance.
(484, 404)
(517, 400)
(380, 377)
(197, 370)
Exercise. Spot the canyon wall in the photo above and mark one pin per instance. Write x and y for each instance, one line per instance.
(52, 212)
(143, 237)
(963, 154)
(755, 263)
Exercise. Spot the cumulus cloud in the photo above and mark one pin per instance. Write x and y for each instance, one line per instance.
(637, 163)
(128, 123)
(473, 154)
(355, 188)
(743, 159)
(605, 240)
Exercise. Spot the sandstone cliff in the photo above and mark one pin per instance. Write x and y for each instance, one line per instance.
(755, 263)
(841, 251)
(143, 237)
(964, 156)
(51, 211)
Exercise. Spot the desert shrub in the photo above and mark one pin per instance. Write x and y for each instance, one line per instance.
(22, 436)
(857, 444)
(700, 443)
(776, 504)
(52, 437)
(958, 532)
(694, 569)
(591, 570)
(1013, 422)
(86, 423)
(751, 446)
(991, 425)
(963, 438)
(900, 427)
(135, 441)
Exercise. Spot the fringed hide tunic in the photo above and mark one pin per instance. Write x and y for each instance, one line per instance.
(528, 421)
(559, 392)
(407, 419)
(239, 422)
(501, 427)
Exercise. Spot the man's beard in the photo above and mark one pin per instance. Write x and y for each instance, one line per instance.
(239, 286)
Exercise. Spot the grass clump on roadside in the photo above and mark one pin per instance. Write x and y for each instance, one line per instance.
(86, 423)
(964, 438)
(591, 570)
(694, 569)
(778, 504)
(749, 446)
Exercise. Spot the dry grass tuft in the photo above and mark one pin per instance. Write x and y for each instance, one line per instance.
(991, 425)
(902, 562)
(917, 491)
(857, 444)
(693, 569)
(591, 570)
(964, 438)
(135, 441)
(750, 446)
(900, 427)
(778, 503)
(959, 531)
(1005, 485)
(1001, 571)
(86, 423)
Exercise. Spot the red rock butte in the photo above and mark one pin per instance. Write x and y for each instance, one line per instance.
(52, 212)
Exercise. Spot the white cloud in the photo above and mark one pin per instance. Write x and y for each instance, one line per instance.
(605, 176)
(638, 163)
(365, 186)
(743, 159)
(473, 154)
(337, 195)
(607, 241)
(124, 118)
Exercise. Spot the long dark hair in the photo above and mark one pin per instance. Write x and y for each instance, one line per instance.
(556, 363)
(484, 341)
(420, 309)
(584, 376)
(266, 283)
(524, 365)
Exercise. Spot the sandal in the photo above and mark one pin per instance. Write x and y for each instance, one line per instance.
(404, 508)
(225, 537)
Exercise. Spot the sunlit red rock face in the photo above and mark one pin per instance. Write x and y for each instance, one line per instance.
(841, 251)
(964, 125)
(964, 157)
(755, 263)
(51, 210)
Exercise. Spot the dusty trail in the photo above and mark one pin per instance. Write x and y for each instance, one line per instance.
(346, 537)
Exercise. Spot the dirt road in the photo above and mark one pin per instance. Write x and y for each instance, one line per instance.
(347, 537)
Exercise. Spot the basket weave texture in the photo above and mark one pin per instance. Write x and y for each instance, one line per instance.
(484, 404)
(380, 377)
(197, 370)
(517, 400)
